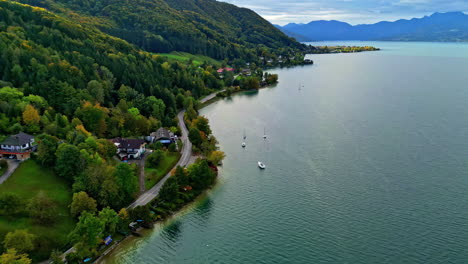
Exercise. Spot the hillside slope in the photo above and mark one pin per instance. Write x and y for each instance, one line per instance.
(207, 27)
(437, 27)
(53, 57)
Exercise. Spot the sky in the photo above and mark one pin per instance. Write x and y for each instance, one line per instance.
(351, 11)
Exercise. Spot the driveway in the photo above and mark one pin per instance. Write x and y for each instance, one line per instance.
(12, 165)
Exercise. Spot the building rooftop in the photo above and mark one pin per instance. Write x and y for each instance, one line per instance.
(18, 139)
(128, 143)
(162, 133)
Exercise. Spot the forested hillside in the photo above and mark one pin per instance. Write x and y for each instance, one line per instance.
(207, 27)
(68, 64)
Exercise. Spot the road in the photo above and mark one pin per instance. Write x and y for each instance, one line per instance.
(185, 159)
(12, 165)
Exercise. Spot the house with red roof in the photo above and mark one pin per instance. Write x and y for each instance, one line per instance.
(221, 70)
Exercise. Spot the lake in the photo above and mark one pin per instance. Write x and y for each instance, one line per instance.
(367, 162)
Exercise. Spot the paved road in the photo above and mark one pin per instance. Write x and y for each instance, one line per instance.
(12, 165)
(185, 159)
(186, 154)
(209, 97)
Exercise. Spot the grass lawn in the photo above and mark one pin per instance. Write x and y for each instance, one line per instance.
(197, 59)
(26, 182)
(153, 176)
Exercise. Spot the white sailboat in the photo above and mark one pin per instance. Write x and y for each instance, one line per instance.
(261, 165)
(264, 134)
(243, 144)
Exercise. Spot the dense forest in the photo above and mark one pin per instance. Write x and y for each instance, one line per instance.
(74, 87)
(207, 27)
(67, 64)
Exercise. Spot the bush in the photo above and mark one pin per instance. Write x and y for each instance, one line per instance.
(172, 147)
(3, 164)
(154, 159)
(156, 146)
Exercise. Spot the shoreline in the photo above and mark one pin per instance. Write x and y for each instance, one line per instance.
(205, 101)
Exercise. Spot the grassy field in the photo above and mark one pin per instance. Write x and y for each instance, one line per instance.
(153, 176)
(197, 59)
(26, 182)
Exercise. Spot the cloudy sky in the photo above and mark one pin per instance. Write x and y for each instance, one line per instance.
(351, 11)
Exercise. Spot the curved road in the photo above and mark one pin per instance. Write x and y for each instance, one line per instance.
(185, 159)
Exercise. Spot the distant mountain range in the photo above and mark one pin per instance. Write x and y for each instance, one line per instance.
(452, 26)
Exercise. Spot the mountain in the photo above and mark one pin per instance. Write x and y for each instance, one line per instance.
(207, 27)
(296, 36)
(452, 26)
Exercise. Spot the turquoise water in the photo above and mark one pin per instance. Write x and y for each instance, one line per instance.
(366, 163)
(430, 49)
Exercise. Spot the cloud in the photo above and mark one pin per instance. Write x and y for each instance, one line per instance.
(351, 11)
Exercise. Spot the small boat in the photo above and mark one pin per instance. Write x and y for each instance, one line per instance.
(243, 144)
(264, 134)
(261, 165)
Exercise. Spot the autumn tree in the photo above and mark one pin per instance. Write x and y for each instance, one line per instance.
(81, 202)
(31, 118)
(11, 256)
(216, 157)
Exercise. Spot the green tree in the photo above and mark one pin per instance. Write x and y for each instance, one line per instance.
(68, 164)
(106, 148)
(42, 209)
(82, 203)
(47, 146)
(155, 158)
(110, 219)
(170, 190)
(181, 175)
(20, 240)
(56, 257)
(195, 137)
(10, 203)
(87, 230)
(201, 175)
(127, 181)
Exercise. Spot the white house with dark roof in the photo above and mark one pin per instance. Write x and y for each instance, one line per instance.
(17, 146)
(129, 148)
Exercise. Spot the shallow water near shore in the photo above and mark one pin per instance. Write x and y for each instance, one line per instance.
(367, 162)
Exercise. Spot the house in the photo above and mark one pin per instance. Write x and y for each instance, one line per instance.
(17, 146)
(162, 135)
(246, 72)
(128, 148)
(221, 70)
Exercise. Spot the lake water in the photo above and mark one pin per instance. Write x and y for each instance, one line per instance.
(366, 163)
